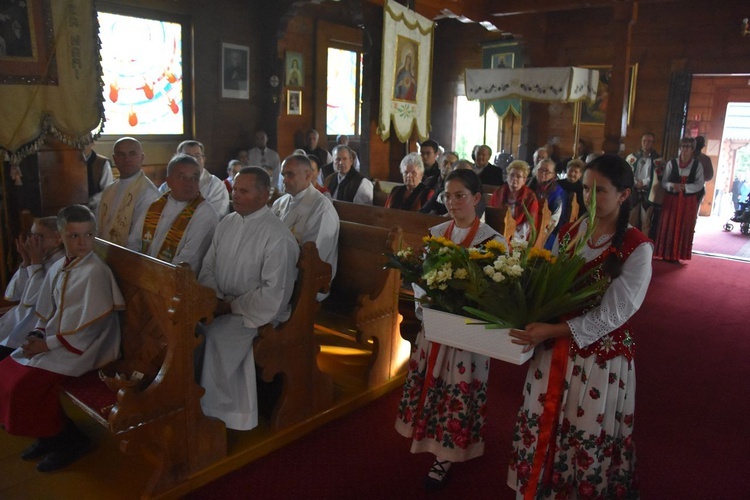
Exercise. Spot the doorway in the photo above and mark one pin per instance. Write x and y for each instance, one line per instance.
(719, 109)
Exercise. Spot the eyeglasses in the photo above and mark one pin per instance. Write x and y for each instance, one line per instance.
(544, 172)
(686, 146)
(516, 176)
(455, 198)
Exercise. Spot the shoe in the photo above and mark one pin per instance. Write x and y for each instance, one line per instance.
(65, 455)
(438, 476)
(39, 448)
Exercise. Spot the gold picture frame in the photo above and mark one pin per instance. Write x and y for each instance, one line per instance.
(406, 69)
(293, 102)
(593, 113)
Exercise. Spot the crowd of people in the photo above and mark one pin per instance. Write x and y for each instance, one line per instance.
(242, 241)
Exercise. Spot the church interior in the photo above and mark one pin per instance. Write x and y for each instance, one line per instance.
(669, 67)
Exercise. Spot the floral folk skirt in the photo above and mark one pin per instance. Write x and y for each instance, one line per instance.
(594, 453)
(445, 415)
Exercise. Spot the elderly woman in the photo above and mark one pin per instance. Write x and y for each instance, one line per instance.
(683, 182)
(544, 184)
(413, 193)
(573, 186)
(518, 197)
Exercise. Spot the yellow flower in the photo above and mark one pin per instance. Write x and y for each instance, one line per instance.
(540, 253)
(475, 254)
(445, 242)
(460, 273)
(495, 246)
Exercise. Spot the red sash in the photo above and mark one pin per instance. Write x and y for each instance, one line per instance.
(618, 342)
(429, 378)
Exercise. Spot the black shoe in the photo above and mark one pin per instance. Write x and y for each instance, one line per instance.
(438, 476)
(64, 456)
(39, 448)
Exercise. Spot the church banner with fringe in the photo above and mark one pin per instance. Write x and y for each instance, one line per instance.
(405, 88)
(49, 74)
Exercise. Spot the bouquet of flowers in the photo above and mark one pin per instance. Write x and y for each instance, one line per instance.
(503, 287)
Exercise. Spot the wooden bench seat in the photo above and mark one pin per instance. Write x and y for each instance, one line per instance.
(162, 420)
(290, 350)
(360, 317)
(414, 225)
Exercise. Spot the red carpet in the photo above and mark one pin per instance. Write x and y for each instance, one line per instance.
(691, 426)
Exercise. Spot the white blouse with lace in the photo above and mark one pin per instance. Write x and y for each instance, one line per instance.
(622, 298)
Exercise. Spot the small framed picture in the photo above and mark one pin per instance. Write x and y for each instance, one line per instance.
(295, 71)
(294, 102)
(235, 77)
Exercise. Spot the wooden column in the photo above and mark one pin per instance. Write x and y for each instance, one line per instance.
(615, 124)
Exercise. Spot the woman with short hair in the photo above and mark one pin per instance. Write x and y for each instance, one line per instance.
(517, 197)
(413, 193)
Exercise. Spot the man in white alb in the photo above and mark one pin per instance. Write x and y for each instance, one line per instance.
(127, 199)
(177, 227)
(263, 156)
(211, 187)
(252, 265)
(308, 213)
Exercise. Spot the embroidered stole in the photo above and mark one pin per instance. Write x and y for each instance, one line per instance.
(169, 247)
(114, 222)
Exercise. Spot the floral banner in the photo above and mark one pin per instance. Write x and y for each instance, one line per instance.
(567, 84)
(49, 74)
(405, 86)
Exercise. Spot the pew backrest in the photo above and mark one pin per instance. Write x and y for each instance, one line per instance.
(414, 225)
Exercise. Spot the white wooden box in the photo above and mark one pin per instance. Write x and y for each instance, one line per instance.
(453, 330)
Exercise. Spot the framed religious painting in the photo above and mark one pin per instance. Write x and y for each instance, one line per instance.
(293, 102)
(594, 112)
(295, 70)
(503, 60)
(235, 73)
(27, 55)
(405, 74)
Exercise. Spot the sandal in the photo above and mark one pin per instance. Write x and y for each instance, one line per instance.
(438, 475)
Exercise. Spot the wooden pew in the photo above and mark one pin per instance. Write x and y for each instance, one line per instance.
(291, 349)
(501, 221)
(414, 225)
(381, 190)
(161, 418)
(360, 318)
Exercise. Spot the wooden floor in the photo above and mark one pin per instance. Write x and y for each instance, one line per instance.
(108, 473)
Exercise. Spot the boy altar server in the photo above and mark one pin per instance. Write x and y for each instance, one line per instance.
(38, 252)
(77, 332)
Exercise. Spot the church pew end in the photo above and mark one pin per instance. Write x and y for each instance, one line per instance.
(290, 350)
(359, 322)
(160, 418)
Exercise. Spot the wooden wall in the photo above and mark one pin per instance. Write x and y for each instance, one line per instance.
(683, 35)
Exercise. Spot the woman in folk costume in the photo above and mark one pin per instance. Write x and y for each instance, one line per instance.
(443, 407)
(517, 197)
(413, 193)
(544, 184)
(573, 435)
(683, 182)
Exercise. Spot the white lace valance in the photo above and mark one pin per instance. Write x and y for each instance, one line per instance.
(567, 84)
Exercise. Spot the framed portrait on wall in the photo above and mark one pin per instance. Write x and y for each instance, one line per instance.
(293, 102)
(235, 74)
(503, 60)
(593, 113)
(295, 70)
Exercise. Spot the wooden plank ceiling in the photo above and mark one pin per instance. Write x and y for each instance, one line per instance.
(489, 12)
